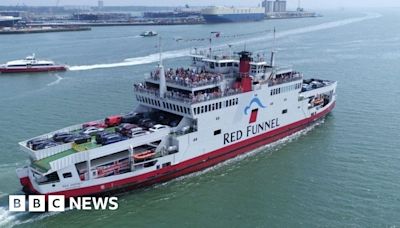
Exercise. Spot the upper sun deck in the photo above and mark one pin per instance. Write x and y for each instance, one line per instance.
(208, 78)
(190, 79)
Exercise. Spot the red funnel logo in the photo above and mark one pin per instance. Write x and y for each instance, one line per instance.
(253, 115)
(254, 111)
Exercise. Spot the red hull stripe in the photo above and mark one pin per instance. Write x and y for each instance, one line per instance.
(32, 70)
(195, 164)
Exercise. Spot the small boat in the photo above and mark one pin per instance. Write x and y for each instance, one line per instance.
(31, 65)
(144, 155)
(149, 33)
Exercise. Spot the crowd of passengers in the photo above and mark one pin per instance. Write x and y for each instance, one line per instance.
(286, 77)
(197, 97)
(188, 77)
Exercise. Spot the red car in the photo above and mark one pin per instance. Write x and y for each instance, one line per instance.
(112, 121)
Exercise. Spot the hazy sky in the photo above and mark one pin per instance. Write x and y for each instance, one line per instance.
(291, 3)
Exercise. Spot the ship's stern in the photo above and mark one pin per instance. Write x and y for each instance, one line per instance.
(23, 176)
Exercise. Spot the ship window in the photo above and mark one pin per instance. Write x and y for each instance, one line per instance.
(223, 64)
(229, 64)
(205, 108)
(202, 109)
(284, 111)
(236, 64)
(217, 132)
(67, 175)
(166, 164)
(209, 107)
(220, 104)
(211, 65)
(217, 64)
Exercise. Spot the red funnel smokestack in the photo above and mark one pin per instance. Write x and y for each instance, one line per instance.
(244, 69)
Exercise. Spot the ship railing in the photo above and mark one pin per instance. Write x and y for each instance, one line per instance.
(40, 154)
(201, 97)
(218, 54)
(285, 79)
(187, 78)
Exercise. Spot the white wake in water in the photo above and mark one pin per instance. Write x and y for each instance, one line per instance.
(135, 61)
(11, 219)
(184, 52)
(7, 218)
(58, 80)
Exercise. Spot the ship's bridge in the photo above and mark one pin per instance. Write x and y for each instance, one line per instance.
(223, 63)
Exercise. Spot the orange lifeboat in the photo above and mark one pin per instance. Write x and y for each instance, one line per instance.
(144, 155)
(318, 101)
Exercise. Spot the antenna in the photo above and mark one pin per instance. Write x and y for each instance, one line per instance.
(163, 87)
(273, 50)
(210, 48)
(160, 49)
(274, 39)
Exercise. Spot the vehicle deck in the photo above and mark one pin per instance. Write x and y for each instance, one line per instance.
(44, 164)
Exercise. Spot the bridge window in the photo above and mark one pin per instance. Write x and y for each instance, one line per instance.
(217, 132)
(67, 175)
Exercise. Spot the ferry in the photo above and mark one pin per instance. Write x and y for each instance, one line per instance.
(221, 14)
(31, 65)
(186, 119)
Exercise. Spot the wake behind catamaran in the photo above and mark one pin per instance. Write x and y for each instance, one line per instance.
(186, 120)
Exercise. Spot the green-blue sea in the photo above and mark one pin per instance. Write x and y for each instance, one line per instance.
(342, 172)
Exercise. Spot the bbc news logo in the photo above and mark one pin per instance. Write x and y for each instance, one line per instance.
(37, 203)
